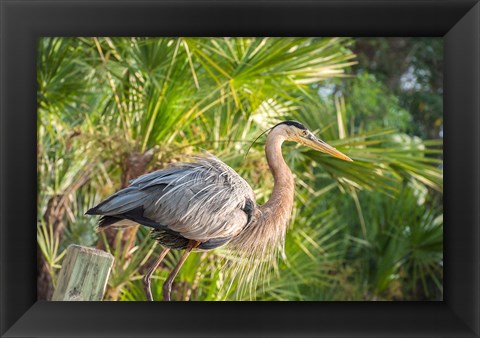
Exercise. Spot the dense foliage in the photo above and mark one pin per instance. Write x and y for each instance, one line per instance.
(110, 109)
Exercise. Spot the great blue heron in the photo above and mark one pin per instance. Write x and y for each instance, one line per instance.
(205, 204)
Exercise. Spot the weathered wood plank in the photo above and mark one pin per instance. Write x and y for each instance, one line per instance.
(84, 274)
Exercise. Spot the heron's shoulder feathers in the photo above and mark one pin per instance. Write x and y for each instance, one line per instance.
(200, 200)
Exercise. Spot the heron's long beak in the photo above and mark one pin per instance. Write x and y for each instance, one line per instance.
(317, 144)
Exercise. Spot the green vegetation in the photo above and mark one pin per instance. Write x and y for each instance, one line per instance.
(110, 109)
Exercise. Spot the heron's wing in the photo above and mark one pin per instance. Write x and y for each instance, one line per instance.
(200, 200)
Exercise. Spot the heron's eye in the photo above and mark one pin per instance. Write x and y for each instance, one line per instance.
(304, 132)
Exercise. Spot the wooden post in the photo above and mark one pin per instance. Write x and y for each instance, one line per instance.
(84, 274)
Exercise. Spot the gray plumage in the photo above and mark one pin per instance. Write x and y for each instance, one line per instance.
(173, 202)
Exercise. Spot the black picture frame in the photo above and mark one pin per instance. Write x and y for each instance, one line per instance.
(23, 21)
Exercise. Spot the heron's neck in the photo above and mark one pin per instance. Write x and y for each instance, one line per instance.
(279, 206)
(266, 235)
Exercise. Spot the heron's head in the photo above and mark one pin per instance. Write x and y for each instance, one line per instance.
(297, 132)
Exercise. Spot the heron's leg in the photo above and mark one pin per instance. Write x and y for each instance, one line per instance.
(151, 270)
(167, 286)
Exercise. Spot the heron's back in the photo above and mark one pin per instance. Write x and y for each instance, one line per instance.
(205, 200)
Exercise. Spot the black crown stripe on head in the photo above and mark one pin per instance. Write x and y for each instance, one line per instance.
(292, 123)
